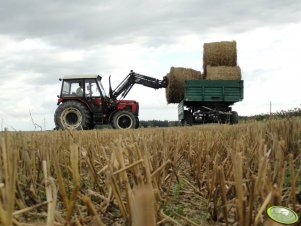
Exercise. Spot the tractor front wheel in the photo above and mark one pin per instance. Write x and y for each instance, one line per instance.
(124, 120)
(72, 115)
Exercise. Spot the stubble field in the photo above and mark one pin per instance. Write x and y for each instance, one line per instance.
(200, 175)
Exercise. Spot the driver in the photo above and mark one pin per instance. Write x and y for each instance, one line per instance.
(79, 90)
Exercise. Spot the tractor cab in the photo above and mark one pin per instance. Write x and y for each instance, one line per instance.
(82, 86)
(87, 89)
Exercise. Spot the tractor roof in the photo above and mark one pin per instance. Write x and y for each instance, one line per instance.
(80, 76)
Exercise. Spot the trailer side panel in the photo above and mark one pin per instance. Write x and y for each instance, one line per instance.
(228, 91)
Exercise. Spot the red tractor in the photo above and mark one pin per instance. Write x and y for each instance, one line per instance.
(83, 102)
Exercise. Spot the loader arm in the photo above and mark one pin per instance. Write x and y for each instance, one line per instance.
(133, 78)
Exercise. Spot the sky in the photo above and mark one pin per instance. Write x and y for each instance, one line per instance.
(42, 40)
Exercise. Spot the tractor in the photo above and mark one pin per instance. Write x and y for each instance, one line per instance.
(83, 102)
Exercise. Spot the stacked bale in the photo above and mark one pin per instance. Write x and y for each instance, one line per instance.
(176, 79)
(220, 54)
(223, 73)
(220, 61)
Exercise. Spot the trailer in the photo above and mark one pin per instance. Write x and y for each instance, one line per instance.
(210, 101)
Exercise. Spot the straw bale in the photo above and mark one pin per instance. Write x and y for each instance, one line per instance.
(176, 78)
(223, 73)
(219, 54)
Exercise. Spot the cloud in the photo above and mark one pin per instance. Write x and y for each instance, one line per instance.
(40, 41)
(269, 61)
(87, 23)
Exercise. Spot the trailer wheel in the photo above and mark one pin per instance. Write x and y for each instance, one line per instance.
(184, 122)
(188, 120)
(224, 118)
(72, 115)
(233, 118)
(124, 120)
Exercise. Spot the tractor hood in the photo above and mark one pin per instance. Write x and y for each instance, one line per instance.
(130, 105)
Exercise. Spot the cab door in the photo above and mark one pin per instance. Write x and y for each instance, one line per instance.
(93, 96)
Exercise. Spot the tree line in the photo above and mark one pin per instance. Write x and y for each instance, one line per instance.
(296, 112)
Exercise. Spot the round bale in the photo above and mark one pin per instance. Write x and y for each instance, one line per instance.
(220, 54)
(176, 80)
(223, 73)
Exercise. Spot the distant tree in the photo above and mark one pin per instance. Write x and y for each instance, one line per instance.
(158, 123)
(296, 112)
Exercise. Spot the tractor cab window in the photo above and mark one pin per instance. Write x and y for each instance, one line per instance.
(91, 88)
(72, 88)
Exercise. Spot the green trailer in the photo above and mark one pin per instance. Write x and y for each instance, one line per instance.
(210, 101)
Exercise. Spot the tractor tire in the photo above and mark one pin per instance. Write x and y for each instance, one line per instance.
(233, 118)
(124, 120)
(72, 115)
(137, 123)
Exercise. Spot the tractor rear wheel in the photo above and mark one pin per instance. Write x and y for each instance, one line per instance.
(72, 115)
(124, 120)
(137, 123)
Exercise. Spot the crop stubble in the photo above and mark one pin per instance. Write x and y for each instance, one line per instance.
(203, 175)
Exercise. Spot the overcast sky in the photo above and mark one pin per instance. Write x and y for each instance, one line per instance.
(41, 40)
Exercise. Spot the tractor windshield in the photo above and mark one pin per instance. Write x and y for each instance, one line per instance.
(91, 88)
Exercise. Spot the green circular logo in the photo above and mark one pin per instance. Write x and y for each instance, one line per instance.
(282, 215)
